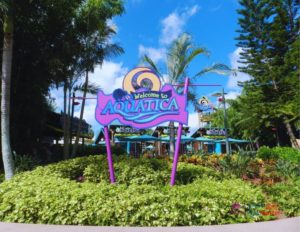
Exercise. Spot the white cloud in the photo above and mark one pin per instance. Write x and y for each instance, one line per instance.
(193, 122)
(173, 24)
(156, 54)
(113, 25)
(216, 8)
(58, 98)
(233, 80)
(232, 95)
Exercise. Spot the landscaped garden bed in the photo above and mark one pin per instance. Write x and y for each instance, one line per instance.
(208, 191)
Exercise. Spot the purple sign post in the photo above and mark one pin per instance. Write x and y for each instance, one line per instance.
(177, 147)
(141, 103)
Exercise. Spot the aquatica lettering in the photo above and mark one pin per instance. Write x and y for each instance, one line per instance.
(141, 106)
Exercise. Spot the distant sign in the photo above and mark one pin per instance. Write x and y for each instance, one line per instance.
(126, 130)
(142, 102)
(215, 132)
(205, 104)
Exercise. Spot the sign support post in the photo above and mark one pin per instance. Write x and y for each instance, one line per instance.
(177, 147)
(109, 156)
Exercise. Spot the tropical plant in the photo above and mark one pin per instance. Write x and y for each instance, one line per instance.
(179, 56)
(96, 34)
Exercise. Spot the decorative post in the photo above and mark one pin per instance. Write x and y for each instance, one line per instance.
(109, 156)
(177, 147)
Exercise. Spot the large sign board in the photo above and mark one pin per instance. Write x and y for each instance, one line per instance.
(142, 102)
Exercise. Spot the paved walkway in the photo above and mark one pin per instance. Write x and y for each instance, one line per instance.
(284, 225)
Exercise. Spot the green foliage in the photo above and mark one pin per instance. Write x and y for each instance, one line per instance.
(286, 195)
(269, 43)
(267, 153)
(284, 153)
(24, 163)
(288, 153)
(235, 164)
(49, 195)
(187, 173)
(62, 38)
(287, 169)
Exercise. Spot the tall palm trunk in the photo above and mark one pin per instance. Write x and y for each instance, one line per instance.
(172, 138)
(81, 112)
(5, 97)
(290, 133)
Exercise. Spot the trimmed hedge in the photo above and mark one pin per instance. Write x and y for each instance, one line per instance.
(142, 197)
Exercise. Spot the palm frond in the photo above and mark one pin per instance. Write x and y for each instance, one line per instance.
(3, 6)
(111, 50)
(3, 9)
(221, 69)
(193, 54)
(153, 66)
(92, 88)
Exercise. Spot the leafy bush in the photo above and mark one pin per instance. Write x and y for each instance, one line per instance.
(24, 163)
(285, 153)
(50, 195)
(187, 173)
(235, 164)
(286, 195)
(288, 153)
(267, 153)
(287, 169)
(129, 171)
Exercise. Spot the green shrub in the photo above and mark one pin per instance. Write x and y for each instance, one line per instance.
(267, 153)
(285, 153)
(142, 196)
(237, 164)
(287, 169)
(288, 153)
(24, 163)
(187, 173)
(286, 195)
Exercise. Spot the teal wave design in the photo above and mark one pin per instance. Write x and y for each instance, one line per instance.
(145, 117)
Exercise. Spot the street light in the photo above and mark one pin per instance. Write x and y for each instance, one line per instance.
(222, 98)
(74, 103)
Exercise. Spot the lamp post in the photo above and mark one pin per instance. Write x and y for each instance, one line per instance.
(222, 99)
(74, 103)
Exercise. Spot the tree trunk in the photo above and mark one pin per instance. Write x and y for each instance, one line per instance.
(5, 97)
(81, 113)
(290, 133)
(172, 138)
(65, 124)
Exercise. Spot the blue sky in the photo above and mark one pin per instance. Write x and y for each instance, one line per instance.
(150, 26)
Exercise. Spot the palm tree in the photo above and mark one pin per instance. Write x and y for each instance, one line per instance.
(8, 163)
(180, 55)
(97, 46)
(106, 50)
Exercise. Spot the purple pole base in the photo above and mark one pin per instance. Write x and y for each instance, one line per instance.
(176, 155)
(177, 147)
(109, 156)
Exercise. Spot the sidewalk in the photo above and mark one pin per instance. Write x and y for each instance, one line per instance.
(284, 225)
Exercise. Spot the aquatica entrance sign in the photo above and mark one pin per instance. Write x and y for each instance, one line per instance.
(142, 102)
